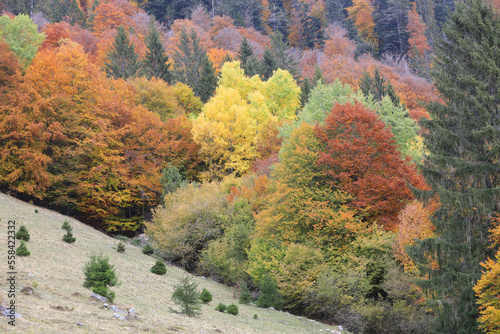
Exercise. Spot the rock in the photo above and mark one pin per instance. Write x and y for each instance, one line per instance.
(98, 297)
(119, 317)
(105, 305)
(27, 290)
(130, 317)
(8, 313)
(79, 324)
(271, 308)
(117, 309)
(31, 275)
(340, 327)
(132, 311)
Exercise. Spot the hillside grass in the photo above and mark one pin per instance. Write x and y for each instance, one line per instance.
(60, 304)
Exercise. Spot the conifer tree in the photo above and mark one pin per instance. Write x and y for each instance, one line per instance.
(155, 63)
(189, 60)
(282, 56)
(121, 59)
(208, 80)
(245, 55)
(463, 142)
(268, 64)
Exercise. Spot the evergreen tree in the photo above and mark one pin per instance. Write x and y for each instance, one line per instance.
(22, 250)
(378, 86)
(121, 59)
(317, 76)
(189, 60)
(268, 64)
(305, 91)
(463, 142)
(155, 63)
(391, 21)
(208, 80)
(311, 32)
(282, 56)
(245, 55)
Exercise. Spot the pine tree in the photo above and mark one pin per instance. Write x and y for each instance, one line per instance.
(121, 58)
(155, 63)
(268, 64)
(305, 91)
(189, 60)
(463, 143)
(245, 54)
(208, 80)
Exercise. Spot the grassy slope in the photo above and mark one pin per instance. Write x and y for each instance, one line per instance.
(58, 277)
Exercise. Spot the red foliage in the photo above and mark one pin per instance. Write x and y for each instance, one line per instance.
(361, 158)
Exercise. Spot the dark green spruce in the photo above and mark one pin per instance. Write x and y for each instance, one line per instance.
(208, 80)
(462, 166)
(155, 63)
(121, 59)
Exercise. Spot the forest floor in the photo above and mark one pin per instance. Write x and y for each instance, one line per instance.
(54, 301)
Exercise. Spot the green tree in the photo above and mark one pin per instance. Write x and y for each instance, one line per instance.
(282, 55)
(186, 296)
(100, 275)
(188, 60)
(208, 80)
(268, 64)
(21, 34)
(463, 143)
(155, 64)
(245, 55)
(121, 59)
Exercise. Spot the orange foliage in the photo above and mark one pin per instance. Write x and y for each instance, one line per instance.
(254, 193)
(416, 27)
(361, 158)
(54, 33)
(361, 13)
(216, 56)
(338, 43)
(414, 223)
(9, 69)
(219, 23)
(188, 25)
(109, 15)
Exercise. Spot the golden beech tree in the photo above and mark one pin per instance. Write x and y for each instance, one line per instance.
(233, 122)
(414, 223)
(361, 13)
(75, 138)
(487, 288)
(361, 158)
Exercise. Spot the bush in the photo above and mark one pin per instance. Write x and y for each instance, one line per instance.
(245, 298)
(22, 250)
(23, 233)
(148, 250)
(100, 275)
(270, 295)
(186, 296)
(206, 296)
(221, 307)
(121, 247)
(36, 210)
(255, 316)
(191, 217)
(66, 226)
(159, 268)
(68, 237)
(232, 309)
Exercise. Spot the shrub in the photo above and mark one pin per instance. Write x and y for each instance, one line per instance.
(221, 307)
(270, 295)
(121, 247)
(245, 298)
(36, 210)
(255, 316)
(191, 217)
(100, 275)
(68, 237)
(148, 250)
(159, 268)
(23, 233)
(232, 309)
(206, 296)
(66, 226)
(186, 296)
(22, 250)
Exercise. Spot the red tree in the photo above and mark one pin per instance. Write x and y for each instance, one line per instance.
(360, 157)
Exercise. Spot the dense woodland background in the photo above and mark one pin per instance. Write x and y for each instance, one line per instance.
(346, 151)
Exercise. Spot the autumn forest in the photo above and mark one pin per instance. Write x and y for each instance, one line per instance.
(345, 151)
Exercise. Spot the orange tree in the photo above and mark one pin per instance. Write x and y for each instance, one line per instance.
(361, 158)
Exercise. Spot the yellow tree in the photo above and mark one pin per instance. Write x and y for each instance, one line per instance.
(235, 119)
